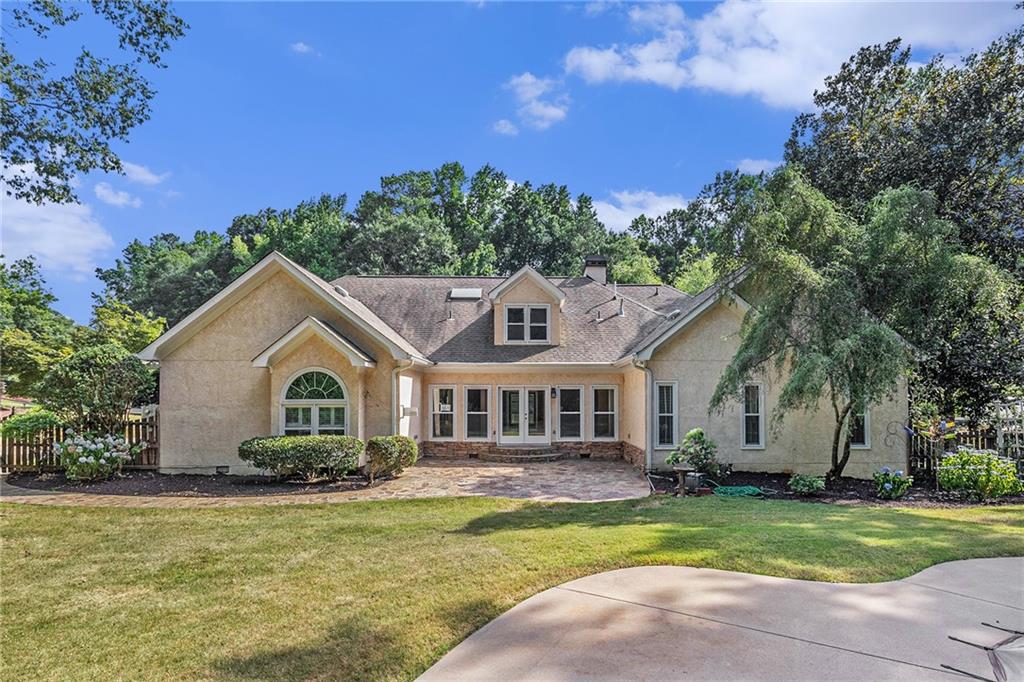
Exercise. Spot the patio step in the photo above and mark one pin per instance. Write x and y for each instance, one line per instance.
(522, 455)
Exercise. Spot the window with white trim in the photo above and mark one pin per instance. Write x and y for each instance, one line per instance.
(442, 412)
(478, 412)
(527, 323)
(570, 413)
(605, 406)
(666, 391)
(753, 416)
(314, 403)
(860, 429)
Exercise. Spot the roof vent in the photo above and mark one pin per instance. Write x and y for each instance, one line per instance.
(341, 290)
(465, 294)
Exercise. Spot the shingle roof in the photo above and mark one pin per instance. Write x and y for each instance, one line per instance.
(418, 308)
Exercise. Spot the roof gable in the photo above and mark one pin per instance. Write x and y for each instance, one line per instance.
(527, 272)
(348, 307)
(303, 331)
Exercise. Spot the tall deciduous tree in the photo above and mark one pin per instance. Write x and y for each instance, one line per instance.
(833, 294)
(956, 130)
(57, 125)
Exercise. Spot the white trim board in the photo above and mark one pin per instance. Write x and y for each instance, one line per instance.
(256, 275)
(304, 330)
(526, 271)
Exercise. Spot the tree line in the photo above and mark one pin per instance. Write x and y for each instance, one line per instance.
(919, 167)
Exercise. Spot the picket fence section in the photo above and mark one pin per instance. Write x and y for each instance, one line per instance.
(1005, 436)
(36, 454)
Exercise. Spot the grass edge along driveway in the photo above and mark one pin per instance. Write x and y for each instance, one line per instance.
(381, 590)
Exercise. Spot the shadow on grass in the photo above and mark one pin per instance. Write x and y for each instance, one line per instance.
(356, 647)
(352, 647)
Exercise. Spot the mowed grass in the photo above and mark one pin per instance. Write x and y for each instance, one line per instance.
(384, 589)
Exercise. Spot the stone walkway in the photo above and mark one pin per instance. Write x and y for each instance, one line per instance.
(563, 481)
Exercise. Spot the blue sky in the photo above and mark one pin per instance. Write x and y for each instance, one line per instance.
(637, 105)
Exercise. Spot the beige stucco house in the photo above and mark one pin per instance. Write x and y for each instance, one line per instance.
(489, 367)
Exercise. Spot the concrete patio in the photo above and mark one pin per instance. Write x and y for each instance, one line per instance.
(663, 622)
(562, 481)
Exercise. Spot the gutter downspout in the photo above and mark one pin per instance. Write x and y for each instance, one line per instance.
(648, 429)
(402, 364)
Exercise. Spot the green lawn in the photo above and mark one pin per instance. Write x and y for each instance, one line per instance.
(383, 589)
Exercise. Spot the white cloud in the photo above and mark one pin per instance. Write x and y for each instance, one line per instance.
(540, 106)
(138, 173)
(116, 197)
(300, 48)
(755, 166)
(621, 208)
(505, 127)
(64, 237)
(778, 52)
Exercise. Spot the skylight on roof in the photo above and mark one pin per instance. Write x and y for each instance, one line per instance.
(465, 294)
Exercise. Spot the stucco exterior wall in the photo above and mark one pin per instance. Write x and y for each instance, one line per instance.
(547, 380)
(212, 398)
(695, 359)
(527, 291)
(633, 425)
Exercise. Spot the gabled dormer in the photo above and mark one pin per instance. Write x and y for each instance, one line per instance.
(527, 310)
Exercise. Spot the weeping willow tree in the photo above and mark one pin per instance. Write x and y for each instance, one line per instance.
(813, 324)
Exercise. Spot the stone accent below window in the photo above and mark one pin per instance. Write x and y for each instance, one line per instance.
(634, 455)
(602, 450)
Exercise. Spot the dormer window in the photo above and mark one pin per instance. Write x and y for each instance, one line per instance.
(527, 323)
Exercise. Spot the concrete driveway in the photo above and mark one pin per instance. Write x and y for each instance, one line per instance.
(661, 623)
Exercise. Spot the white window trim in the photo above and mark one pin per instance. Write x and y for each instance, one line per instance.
(866, 445)
(546, 341)
(455, 412)
(465, 406)
(615, 412)
(659, 414)
(314, 419)
(558, 413)
(743, 417)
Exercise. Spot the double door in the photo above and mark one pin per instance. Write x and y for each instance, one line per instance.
(523, 415)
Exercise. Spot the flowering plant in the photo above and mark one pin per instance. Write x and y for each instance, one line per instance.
(891, 485)
(89, 457)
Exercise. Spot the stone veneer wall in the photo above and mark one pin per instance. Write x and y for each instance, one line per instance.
(603, 450)
(634, 455)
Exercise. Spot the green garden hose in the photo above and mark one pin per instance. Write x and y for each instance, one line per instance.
(739, 491)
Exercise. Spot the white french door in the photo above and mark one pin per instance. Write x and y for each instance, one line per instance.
(523, 415)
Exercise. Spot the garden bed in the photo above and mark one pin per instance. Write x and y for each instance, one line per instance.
(845, 491)
(151, 484)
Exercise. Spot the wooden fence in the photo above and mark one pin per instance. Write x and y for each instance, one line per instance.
(1005, 436)
(37, 454)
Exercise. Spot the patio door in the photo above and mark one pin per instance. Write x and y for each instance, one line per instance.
(524, 415)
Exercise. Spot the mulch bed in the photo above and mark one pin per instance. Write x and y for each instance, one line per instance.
(845, 491)
(152, 484)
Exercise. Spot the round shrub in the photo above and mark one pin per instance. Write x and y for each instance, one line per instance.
(891, 485)
(91, 457)
(805, 485)
(310, 457)
(700, 452)
(24, 427)
(978, 474)
(388, 455)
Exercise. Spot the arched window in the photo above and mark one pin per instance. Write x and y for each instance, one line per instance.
(315, 402)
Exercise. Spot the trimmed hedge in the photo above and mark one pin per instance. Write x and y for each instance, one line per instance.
(388, 455)
(307, 456)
